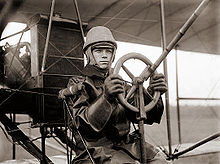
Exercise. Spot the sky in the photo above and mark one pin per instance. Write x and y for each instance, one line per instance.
(198, 74)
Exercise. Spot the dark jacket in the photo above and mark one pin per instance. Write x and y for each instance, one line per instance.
(104, 125)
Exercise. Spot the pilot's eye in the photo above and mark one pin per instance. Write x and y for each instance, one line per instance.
(110, 51)
(97, 50)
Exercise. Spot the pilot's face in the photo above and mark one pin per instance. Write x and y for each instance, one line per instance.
(103, 56)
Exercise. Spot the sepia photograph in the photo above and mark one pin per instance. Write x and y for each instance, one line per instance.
(109, 82)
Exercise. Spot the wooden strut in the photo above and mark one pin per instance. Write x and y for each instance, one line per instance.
(177, 100)
(48, 36)
(153, 67)
(143, 117)
(212, 137)
(167, 105)
(177, 37)
(43, 128)
(79, 20)
(19, 137)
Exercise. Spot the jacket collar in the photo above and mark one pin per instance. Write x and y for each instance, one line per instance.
(93, 71)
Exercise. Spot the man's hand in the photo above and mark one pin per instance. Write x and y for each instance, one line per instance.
(72, 90)
(113, 85)
(62, 94)
(158, 83)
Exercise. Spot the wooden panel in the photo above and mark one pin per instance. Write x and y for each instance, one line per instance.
(64, 55)
(64, 59)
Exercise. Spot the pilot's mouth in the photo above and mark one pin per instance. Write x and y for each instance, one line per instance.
(104, 62)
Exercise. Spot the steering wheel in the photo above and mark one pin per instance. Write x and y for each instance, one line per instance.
(136, 81)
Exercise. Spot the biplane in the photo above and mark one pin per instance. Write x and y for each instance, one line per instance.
(32, 79)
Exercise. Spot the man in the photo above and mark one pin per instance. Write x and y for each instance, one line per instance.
(97, 115)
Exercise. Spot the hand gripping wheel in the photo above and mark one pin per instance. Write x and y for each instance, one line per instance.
(136, 81)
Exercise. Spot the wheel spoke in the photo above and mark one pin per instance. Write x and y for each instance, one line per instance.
(137, 82)
(148, 94)
(128, 72)
(144, 73)
(133, 88)
(141, 101)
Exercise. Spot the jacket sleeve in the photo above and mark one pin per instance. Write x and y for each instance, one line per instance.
(89, 115)
(97, 114)
(73, 87)
(155, 114)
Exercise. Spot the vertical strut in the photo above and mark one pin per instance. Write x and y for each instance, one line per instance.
(79, 19)
(43, 129)
(177, 98)
(43, 147)
(179, 35)
(48, 36)
(164, 44)
(14, 146)
(141, 125)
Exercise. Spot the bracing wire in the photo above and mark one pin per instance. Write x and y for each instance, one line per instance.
(64, 55)
(16, 50)
(15, 92)
(83, 141)
(65, 122)
(26, 91)
(39, 73)
(130, 4)
(9, 36)
(18, 90)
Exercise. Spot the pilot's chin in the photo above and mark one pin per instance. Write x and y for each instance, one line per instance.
(104, 66)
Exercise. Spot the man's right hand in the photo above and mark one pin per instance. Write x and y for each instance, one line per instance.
(71, 90)
(113, 85)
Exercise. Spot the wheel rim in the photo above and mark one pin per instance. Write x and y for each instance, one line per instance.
(120, 65)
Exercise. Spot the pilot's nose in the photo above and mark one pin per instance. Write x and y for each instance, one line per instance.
(104, 54)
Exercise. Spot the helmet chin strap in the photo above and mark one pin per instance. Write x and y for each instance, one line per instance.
(111, 61)
(90, 57)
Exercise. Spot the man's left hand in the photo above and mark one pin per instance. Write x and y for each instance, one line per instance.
(158, 83)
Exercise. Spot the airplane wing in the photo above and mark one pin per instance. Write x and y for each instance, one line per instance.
(138, 21)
